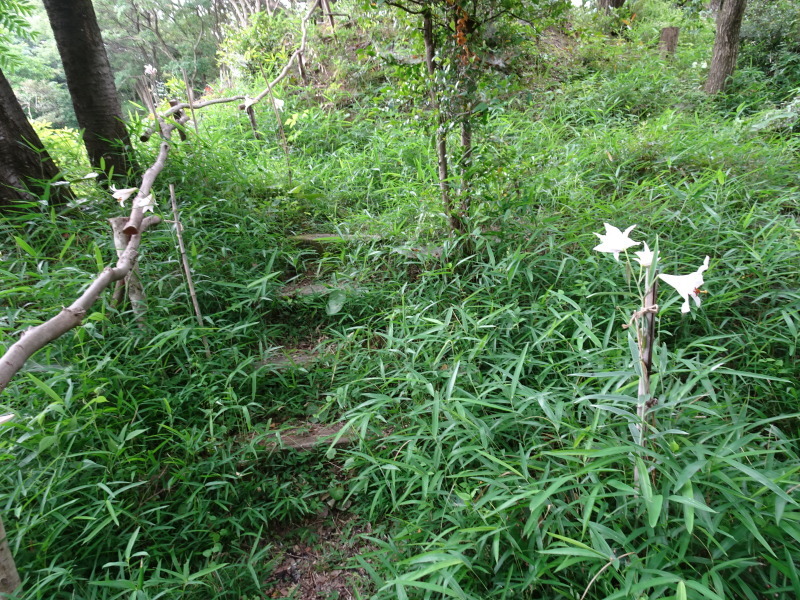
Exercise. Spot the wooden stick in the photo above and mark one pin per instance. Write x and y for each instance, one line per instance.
(645, 338)
(132, 227)
(187, 271)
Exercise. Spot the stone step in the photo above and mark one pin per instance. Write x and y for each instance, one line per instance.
(307, 437)
(421, 252)
(320, 242)
(285, 359)
(307, 288)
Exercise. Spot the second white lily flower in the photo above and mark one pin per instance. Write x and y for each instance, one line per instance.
(688, 286)
(122, 195)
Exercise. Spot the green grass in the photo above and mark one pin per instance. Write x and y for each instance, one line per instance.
(492, 388)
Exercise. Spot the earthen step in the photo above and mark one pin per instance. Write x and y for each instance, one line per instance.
(307, 438)
(286, 359)
(320, 242)
(421, 252)
(292, 289)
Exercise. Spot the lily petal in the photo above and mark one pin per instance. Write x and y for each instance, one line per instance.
(645, 257)
(122, 195)
(687, 286)
(615, 241)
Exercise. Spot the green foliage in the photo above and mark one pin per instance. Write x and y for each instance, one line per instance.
(770, 42)
(12, 24)
(261, 48)
(488, 379)
(175, 37)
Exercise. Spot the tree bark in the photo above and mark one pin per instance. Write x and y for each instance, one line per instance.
(668, 43)
(91, 84)
(607, 5)
(25, 166)
(726, 45)
(453, 219)
(9, 577)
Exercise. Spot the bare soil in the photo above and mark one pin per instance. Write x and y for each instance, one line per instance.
(315, 559)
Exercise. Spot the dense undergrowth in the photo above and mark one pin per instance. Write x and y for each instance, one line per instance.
(491, 386)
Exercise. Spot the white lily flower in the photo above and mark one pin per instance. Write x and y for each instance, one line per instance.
(146, 203)
(279, 103)
(5, 418)
(645, 257)
(615, 241)
(90, 176)
(122, 195)
(150, 70)
(688, 286)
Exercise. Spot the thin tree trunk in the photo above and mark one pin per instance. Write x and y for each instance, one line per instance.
(455, 222)
(466, 162)
(9, 576)
(607, 5)
(726, 45)
(24, 163)
(326, 8)
(91, 84)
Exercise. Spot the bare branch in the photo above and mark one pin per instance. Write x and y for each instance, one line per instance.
(38, 337)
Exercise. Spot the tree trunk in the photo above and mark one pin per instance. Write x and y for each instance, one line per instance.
(91, 84)
(607, 5)
(25, 166)
(453, 219)
(726, 45)
(668, 43)
(9, 577)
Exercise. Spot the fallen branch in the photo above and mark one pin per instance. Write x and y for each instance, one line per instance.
(133, 225)
(131, 283)
(9, 576)
(38, 337)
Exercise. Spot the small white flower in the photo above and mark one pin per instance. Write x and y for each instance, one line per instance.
(146, 203)
(645, 257)
(688, 286)
(150, 70)
(90, 176)
(5, 418)
(615, 241)
(279, 103)
(122, 195)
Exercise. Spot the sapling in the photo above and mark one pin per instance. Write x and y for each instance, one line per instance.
(642, 320)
